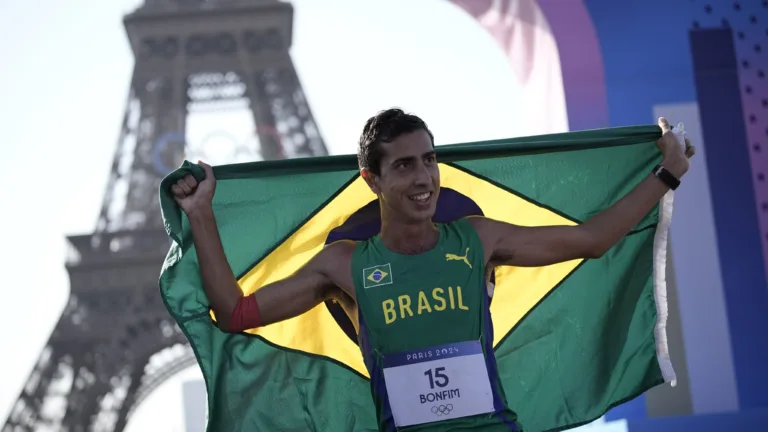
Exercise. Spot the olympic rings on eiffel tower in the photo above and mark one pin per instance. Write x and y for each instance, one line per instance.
(209, 148)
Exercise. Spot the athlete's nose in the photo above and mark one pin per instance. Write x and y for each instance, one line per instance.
(422, 176)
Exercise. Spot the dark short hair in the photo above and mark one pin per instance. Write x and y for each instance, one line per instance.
(384, 127)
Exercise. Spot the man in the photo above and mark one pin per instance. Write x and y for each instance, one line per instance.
(423, 365)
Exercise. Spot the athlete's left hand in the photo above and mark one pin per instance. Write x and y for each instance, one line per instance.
(675, 157)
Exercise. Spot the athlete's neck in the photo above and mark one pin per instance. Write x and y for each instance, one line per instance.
(409, 238)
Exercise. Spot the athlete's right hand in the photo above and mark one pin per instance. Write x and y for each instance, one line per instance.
(193, 196)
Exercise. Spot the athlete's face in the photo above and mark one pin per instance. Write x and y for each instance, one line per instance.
(410, 180)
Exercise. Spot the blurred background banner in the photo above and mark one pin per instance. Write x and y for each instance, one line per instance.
(102, 99)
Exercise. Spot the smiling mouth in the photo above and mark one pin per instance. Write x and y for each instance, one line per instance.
(421, 198)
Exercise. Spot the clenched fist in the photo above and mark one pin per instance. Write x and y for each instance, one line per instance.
(675, 157)
(193, 196)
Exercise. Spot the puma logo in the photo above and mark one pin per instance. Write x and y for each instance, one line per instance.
(452, 257)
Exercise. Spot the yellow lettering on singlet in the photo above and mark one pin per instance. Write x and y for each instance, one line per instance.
(389, 311)
(426, 305)
(437, 295)
(460, 298)
(423, 303)
(405, 305)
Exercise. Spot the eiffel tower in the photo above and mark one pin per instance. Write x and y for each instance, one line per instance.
(115, 342)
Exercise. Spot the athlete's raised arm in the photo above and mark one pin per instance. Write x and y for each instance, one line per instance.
(275, 302)
(507, 244)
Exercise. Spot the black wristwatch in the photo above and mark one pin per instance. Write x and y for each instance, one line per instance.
(667, 177)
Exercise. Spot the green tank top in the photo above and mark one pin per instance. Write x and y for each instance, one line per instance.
(426, 335)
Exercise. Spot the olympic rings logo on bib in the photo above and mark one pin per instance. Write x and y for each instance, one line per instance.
(440, 410)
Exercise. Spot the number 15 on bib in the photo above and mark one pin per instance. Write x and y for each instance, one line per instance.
(438, 383)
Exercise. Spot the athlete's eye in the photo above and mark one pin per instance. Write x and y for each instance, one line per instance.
(431, 159)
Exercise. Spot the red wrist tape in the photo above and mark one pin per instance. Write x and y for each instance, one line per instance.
(246, 314)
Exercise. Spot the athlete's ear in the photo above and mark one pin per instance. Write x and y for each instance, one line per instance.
(370, 179)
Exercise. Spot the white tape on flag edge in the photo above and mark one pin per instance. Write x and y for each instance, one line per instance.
(660, 243)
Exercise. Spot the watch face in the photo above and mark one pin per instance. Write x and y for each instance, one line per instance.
(667, 177)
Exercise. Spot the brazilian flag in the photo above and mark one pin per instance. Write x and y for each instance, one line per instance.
(571, 340)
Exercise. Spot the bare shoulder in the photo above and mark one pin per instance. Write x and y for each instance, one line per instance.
(335, 262)
(479, 222)
(487, 229)
(339, 250)
(491, 228)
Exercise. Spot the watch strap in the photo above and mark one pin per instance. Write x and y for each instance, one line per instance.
(667, 177)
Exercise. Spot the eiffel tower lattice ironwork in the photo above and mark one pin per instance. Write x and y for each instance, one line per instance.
(115, 341)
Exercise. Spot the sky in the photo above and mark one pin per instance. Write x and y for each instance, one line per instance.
(63, 84)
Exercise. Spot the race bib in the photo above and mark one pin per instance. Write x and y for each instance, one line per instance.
(438, 383)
